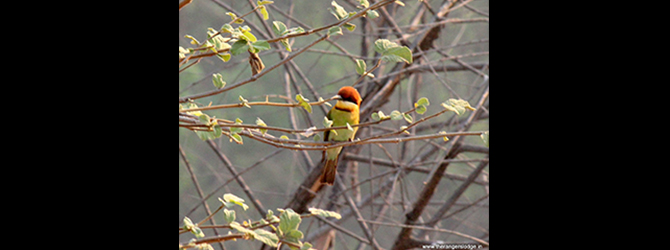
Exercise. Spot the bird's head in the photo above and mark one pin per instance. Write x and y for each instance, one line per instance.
(349, 94)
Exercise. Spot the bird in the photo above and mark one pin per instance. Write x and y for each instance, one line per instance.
(346, 110)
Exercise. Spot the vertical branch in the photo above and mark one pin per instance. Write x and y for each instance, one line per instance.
(257, 203)
(197, 187)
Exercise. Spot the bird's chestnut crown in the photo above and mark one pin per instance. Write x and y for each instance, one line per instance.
(350, 94)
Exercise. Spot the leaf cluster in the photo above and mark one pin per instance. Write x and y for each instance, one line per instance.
(284, 229)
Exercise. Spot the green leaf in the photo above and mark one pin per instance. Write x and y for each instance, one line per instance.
(286, 44)
(421, 109)
(375, 117)
(205, 135)
(247, 35)
(233, 17)
(349, 127)
(303, 102)
(195, 230)
(198, 232)
(227, 28)
(278, 28)
(408, 118)
(360, 66)
(364, 3)
(349, 26)
(372, 14)
(392, 52)
(264, 12)
(382, 45)
(301, 98)
(421, 105)
(264, 2)
(204, 118)
(404, 129)
(236, 225)
(283, 137)
(295, 30)
(217, 131)
(335, 31)
(457, 105)
(260, 45)
(225, 57)
(317, 137)
(183, 52)
(237, 138)
(288, 220)
(396, 115)
(306, 246)
(309, 132)
(193, 40)
(327, 123)
(260, 122)
(229, 215)
(306, 106)
(338, 11)
(266, 237)
(444, 138)
(399, 52)
(230, 199)
(218, 81)
(325, 213)
(188, 224)
(422, 101)
(294, 234)
(239, 47)
(485, 138)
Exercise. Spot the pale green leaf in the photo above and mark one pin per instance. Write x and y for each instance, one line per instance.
(264, 2)
(218, 81)
(382, 45)
(335, 31)
(421, 109)
(260, 122)
(403, 52)
(338, 11)
(266, 237)
(278, 28)
(396, 115)
(327, 123)
(485, 138)
(229, 215)
(372, 14)
(325, 213)
(360, 66)
(264, 12)
(349, 127)
(375, 117)
(408, 118)
(288, 220)
(422, 101)
(193, 40)
(349, 26)
(231, 198)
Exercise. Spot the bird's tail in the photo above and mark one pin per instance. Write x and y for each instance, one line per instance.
(329, 171)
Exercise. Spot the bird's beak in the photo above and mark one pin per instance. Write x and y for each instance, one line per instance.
(336, 97)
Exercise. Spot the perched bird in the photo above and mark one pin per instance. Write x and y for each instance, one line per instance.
(346, 110)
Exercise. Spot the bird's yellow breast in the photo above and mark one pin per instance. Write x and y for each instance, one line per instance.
(343, 113)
